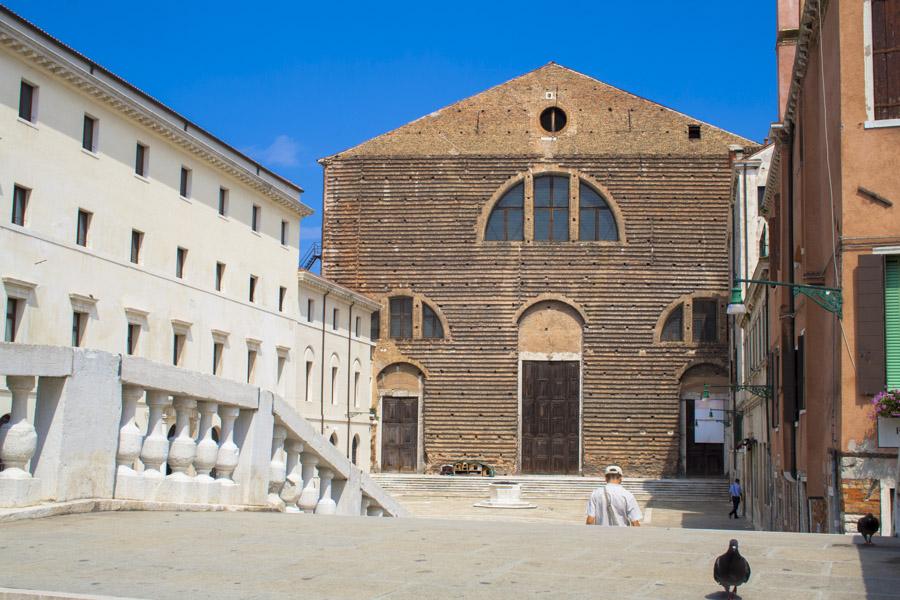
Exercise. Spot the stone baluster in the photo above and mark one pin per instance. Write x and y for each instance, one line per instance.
(227, 458)
(207, 448)
(18, 438)
(364, 506)
(155, 450)
(376, 511)
(183, 448)
(277, 467)
(130, 437)
(293, 483)
(309, 497)
(326, 505)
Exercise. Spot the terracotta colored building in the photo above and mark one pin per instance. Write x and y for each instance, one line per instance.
(833, 199)
(551, 259)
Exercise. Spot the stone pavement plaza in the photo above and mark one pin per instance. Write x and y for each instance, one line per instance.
(275, 555)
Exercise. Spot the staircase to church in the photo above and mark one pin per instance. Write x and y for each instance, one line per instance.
(549, 486)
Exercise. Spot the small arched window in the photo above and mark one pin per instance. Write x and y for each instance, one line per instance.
(596, 221)
(334, 439)
(505, 223)
(551, 208)
(431, 324)
(673, 330)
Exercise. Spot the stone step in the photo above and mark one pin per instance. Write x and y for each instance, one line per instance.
(551, 487)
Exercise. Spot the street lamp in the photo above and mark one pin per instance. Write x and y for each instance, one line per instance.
(828, 298)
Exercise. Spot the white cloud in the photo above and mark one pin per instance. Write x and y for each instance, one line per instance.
(282, 152)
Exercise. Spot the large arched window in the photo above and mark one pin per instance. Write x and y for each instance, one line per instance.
(551, 208)
(431, 324)
(506, 219)
(596, 221)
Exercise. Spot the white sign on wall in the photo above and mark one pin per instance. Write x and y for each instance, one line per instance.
(889, 432)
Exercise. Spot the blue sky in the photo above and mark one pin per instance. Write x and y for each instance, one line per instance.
(291, 82)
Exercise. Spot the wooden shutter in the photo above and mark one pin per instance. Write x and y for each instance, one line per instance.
(869, 312)
(886, 58)
(892, 322)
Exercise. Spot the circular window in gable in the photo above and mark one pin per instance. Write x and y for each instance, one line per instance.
(553, 119)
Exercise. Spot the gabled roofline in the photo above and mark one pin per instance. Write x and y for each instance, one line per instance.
(327, 159)
(59, 60)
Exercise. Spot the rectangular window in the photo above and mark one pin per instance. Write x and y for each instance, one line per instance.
(177, 349)
(220, 275)
(253, 288)
(551, 208)
(356, 389)
(218, 347)
(760, 198)
(401, 317)
(356, 324)
(375, 326)
(180, 259)
(84, 223)
(79, 320)
(185, 185)
(131, 340)
(89, 134)
(705, 321)
(284, 233)
(223, 201)
(892, 322)
(27, 98)
(282, 292)
(254, 218)
(886, 58)
(335, 314)
(307, 393)
(309, 310)
(137, 240)
(20, 203)
(282, 360)
(693, 132)
(12, 319)
(141, 155)
(251, 365)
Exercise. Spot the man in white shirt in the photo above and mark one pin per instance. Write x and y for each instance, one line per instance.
(612, 505)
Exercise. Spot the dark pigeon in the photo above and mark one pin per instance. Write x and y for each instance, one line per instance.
(868, 526)
(731, 569)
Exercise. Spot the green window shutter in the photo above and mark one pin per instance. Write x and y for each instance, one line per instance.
(892, 321)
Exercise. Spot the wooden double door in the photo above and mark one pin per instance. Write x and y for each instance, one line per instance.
(399, 434)
(551, 422)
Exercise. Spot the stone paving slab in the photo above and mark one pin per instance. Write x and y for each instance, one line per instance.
(159, 555)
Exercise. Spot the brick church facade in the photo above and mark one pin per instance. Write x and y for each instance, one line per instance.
(551, 258)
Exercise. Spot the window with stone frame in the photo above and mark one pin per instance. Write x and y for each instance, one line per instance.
(551, 208)
(886, 58)
(431, 324)
(401, 317)
(673, 330)
(506, 220)
(706, 322)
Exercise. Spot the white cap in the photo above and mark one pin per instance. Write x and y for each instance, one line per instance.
(613, 470)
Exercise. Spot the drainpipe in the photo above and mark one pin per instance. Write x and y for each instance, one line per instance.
(322, 377)
(349, 369)
(792, 308)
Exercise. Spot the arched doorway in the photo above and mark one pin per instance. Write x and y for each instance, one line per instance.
(550, 338)
(703, 417)
(400, 387)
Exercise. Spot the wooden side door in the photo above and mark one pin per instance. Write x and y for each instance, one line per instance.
(550, 417)
(400, 434)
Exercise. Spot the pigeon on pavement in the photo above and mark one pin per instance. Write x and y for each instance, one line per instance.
(868, 526)
(731, 569)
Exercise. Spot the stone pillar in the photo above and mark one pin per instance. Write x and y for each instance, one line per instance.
(227, 457)
(293, 483)
(326, 505)
(130, 438)
(183, 448)
(277, 467)
(155, 450)
(309, 497)
(207, 449)
(18, 438)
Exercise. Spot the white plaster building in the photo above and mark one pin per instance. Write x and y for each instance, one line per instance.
(126, 228)
(747, 438)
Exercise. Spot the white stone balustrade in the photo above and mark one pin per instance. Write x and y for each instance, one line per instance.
(228, 453)
(326, 505)
(207, 448)
(309, 496)
(155, 450)
(183, 448)
(130, 437)
(18, 442)
(277, 467)
(293, 482)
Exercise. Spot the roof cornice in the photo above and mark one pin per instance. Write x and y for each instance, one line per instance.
(33, 45)
(323, 285)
